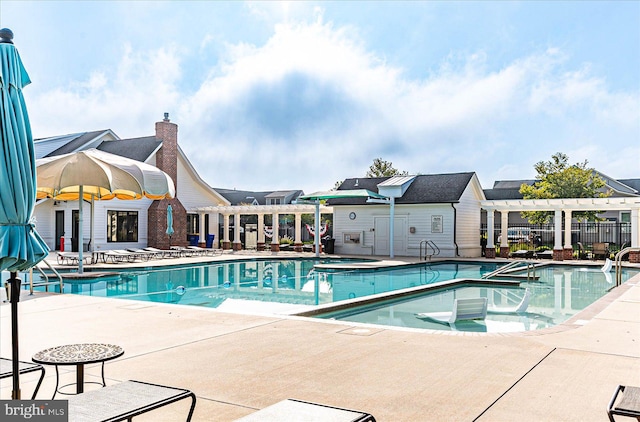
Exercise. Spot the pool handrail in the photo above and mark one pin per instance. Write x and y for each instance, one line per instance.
(618, 261)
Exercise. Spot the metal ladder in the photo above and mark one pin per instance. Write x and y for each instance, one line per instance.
(46, 281)
(427, 245)
(618, 261)
(512, 266)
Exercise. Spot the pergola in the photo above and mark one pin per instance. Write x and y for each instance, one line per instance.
(260, 210)
(559, 206)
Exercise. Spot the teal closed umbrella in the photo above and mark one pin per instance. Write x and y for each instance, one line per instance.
(169, 222)
(20, 245)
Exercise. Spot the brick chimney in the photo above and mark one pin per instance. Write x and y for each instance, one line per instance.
(167, 156)
(167, 161)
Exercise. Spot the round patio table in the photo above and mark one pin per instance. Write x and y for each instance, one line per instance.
(78, 355)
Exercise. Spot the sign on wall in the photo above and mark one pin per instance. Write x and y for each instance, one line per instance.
(436, 224)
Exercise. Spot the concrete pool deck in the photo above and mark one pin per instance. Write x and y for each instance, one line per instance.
(239, 363)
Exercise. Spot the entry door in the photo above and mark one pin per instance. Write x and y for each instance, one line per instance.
(59, 228)
(381, 236)
(75, 225)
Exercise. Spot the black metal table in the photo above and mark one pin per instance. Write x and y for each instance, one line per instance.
(78, 355)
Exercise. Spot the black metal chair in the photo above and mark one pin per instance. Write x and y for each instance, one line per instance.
(628, 405)
(6, 371)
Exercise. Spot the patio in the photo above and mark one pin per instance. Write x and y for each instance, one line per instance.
(239, 363)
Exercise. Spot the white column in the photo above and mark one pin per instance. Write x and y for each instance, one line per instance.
(214, 226)
(635, 224)
(504, 226)
(392, 213)
(557, 222)
(275, 240)
(260, 228)
(298, 229)
(490, 228)
(236, 228)
(567, 229)
(202, 235)
(225, 231)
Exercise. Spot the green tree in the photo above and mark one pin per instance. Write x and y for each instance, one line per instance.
(558, 179)
(382, 168)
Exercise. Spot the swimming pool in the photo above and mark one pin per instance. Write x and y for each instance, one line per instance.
(294, 285)
(560, 293)
(261, 284)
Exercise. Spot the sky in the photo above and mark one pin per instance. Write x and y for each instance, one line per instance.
(301, 95)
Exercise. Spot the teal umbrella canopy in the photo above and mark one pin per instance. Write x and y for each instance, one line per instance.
(20, 245)
(169, 220)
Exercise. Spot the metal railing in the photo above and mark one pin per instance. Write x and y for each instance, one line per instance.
(46, 281)
(426, 246)
(513, 266)
(618, 262)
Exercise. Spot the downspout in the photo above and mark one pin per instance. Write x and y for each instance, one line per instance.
(455, 222)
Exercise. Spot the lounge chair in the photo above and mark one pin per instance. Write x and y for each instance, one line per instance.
(164, 253)
(463, 310)
(298, 410)
(520, 308)
(204, 251)
(123, 401)
(142, 254)
(6, 371)
(72, 258)
(548, 254)
(522, 253)
(629, 405)
(117, 256)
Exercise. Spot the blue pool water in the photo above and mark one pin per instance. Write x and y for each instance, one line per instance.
(290, 284)
(288, 281)
(558, 294)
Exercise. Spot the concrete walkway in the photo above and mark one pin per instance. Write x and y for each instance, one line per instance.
(237, 364)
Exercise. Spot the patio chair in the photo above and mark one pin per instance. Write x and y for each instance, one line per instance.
(123, 401)
(519, 308)
(463, 310)
(6, 371)
(298, 410)
(628, 405)
(600, 249)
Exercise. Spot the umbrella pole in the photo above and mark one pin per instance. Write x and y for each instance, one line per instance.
(316, 235)
(81, 239)
(14, 292)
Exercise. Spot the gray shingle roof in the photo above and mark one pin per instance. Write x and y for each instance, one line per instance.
(139, 149)
(425, 189)
(76, 142)
(632, 183)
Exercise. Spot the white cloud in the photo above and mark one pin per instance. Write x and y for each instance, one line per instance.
(313, 105)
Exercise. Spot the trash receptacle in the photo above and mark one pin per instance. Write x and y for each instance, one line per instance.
(193, 240)
(328, 244)
(210, 238)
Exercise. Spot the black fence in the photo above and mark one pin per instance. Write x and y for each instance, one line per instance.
(542, 236)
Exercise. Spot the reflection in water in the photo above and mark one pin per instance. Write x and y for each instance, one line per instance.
(559, 294)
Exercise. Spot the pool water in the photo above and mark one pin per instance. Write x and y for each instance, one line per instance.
(558, 294)
(254, 283)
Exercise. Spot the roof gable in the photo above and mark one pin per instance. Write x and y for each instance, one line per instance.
(425, 189)
(139, 149)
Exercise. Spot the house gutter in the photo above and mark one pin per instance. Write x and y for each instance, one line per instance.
(455, 228)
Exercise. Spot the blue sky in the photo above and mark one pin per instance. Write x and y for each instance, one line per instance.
(299, 95)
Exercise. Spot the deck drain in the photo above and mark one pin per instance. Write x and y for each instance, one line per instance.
(359, 331)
